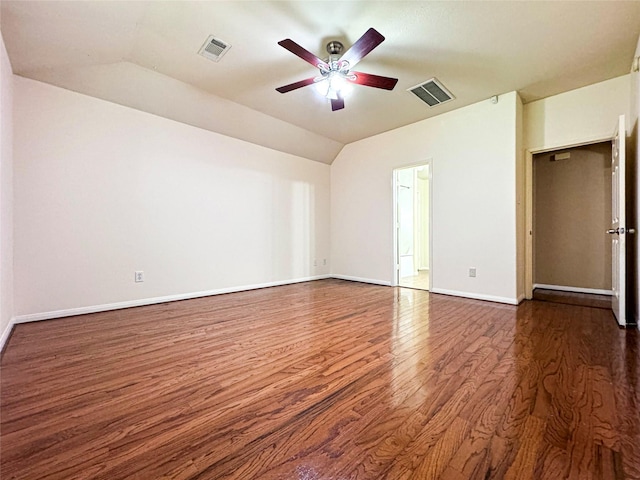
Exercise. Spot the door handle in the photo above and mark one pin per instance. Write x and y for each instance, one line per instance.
(621, 231)
(613, 231)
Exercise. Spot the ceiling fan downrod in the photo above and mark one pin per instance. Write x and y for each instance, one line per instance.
(334, 47)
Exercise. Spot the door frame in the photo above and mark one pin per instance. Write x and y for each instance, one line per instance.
(394, 226)
(528, 210)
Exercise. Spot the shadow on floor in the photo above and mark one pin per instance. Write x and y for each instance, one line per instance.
(572, 298)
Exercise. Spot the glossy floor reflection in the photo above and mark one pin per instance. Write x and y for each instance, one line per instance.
(419, 281)
(323, 380)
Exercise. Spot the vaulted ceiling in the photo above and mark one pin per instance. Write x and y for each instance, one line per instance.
(145, 55)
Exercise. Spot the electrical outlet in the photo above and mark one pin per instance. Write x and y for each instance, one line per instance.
(315, 263)
(472, 272)
(139, 276)
(324, 261)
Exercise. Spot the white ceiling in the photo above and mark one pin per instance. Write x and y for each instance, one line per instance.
(144, 55)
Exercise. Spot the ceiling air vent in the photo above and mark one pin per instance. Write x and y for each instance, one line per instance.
(432, 92)
(214, 48)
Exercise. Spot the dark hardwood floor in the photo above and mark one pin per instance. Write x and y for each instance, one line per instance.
(323, 380)
(573, 298)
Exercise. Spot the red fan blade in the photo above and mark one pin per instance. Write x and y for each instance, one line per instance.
(387, 83)
(304, 54)
(296, 85)
(367, 42)
(337, 104)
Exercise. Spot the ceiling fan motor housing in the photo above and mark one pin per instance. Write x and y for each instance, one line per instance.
(334, 47)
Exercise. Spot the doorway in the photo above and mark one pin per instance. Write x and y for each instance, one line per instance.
(571, 213)
(412, 233)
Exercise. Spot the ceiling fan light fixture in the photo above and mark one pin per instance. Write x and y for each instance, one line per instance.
(334, 85)
(322, 87)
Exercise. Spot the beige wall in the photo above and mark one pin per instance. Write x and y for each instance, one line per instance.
(520, 189)
(572, 209)
(6, 195)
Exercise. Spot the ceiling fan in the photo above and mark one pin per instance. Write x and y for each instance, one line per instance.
(335, 72)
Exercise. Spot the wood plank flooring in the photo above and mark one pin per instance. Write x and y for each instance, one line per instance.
(420, 281)
(323, 380)
(573, 298)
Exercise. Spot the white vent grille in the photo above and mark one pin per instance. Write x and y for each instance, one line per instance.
(432, 92)
(214, 48)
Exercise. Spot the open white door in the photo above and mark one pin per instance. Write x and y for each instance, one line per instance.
(405, 260)
(618, 224)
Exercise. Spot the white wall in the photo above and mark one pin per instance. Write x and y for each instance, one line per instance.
(102, 190)
(144, 89)
(6, 195)
(474, 200)
(580, 116)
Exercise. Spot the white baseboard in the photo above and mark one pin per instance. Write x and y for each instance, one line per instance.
(362, 280)
(477, 296)
(6, 333)
(35, 317)
(562, 288)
